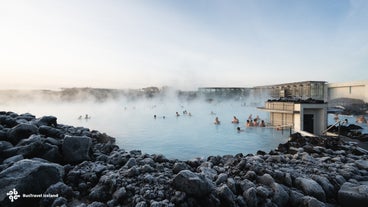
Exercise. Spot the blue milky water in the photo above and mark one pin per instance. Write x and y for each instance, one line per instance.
(184, 137)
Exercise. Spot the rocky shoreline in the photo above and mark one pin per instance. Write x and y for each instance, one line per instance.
(75, 166)
(352, 131)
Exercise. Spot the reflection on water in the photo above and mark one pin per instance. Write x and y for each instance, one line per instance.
(183, 137)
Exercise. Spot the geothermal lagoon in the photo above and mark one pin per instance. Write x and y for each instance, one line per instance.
(98, 172)
(184, 137)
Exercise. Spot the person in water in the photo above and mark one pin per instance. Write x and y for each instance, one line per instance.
(217, 121)
(154, 116)
(235, 120)
(177, 114)
(257, 118)
(262, 124)
(346, 122)
(336, 118)
(255, 122)
(239, 129)
(361, 119)
(249, 123)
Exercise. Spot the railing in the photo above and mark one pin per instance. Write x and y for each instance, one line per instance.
(338, 122)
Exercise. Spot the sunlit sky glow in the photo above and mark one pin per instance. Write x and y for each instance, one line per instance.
(184, 44)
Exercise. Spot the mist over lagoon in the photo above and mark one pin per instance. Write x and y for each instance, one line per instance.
(130, 119)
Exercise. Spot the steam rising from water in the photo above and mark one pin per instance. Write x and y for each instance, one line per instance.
(130, 119)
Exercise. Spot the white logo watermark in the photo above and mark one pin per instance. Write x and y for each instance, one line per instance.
(13, 195)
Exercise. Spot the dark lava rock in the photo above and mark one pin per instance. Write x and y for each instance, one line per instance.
(193, 184)
(226, 196)
(312, 202)
(28, 177)
(325, 184)
(311, 187)
(46, 121)
(30, 150)
(26, 116)
(76, 149)
(21, 131)
(362, 164)
(251, 197)
(280, 197)
(3, 135)
(8, 121)
(179, 166)
(5, 145)
(61, 189)
(101, 137)
(352, 194)
(50, 132)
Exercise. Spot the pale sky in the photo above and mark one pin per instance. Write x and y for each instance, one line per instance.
(50, 44)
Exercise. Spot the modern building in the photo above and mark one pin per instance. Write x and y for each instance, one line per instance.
(309, 116)
(223, 91)
(350, 90)
(297, 90)
(299, 105)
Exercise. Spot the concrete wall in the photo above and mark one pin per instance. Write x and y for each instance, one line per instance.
(292, 114)
(297, 122)
(281, 119)
(319, 123)
(319, 112)
(353, 90)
